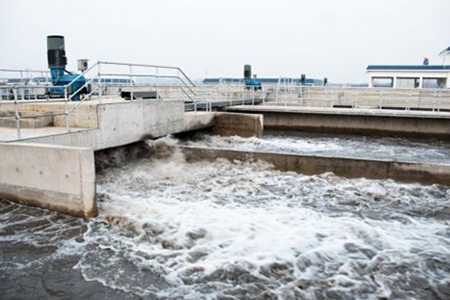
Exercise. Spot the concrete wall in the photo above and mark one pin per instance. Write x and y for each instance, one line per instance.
(346, 167)
(245, 125)
(85, 116)
(199, 120)
(341, 121)
(54, 177)
(226, 124)
(121, 123)
(354, 124)
(127, 122)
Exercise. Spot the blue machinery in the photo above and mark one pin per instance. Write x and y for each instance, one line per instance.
(57, 62)
(250, 83)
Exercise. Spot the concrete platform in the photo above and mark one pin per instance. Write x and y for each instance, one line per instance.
(102, 124)
(10, 134)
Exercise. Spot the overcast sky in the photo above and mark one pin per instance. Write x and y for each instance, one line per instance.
(334, 39)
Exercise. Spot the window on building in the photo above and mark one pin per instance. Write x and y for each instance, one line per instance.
(434, 83)
(383, 82)
(407, 83)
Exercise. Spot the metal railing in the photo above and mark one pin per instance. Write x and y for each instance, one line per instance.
(100, 78)
(25, 76)
(96, 79)
(221, 95)
(435, 100)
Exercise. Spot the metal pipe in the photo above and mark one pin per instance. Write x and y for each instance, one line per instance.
(16, 109)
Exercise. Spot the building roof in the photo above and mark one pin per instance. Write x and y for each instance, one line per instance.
(407, 67)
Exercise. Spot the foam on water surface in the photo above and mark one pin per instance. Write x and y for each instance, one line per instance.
(243, 231)
(168, 229)
(345, 146)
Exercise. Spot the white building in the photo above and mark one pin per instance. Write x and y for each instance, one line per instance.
(409, 76)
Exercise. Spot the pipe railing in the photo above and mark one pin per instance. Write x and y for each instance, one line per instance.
(284, 93)
(18, 92)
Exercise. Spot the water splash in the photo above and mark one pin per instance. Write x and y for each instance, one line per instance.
(169, 229)
(242, 231)
(344, 146)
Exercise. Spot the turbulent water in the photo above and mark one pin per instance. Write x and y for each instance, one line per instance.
(168, 229)
(401, 149)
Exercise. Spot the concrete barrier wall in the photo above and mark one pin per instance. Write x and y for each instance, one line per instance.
(121, 123)
(54, 177)
(245, 125)
(357, 124)
(226, 124)
(127, 122)
(346, 167)
(338, 121)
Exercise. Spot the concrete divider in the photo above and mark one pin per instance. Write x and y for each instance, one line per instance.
(341, 166)
(245, 125)
(55, 177)
(226, 124)
(359, 121)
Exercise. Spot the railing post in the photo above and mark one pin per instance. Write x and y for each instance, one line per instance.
(16, 109)
(66, 109)
(440, 101)
(381, 100)
(434, 100)
(157, 82)
(100, 90)
(131, 84)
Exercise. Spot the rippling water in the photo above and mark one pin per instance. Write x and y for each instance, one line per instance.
(343, 145)
(168, 229)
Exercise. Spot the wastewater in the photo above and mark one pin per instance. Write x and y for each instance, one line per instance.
(353, 146)
(172, 229)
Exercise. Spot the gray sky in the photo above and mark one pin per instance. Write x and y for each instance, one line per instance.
(334, 39)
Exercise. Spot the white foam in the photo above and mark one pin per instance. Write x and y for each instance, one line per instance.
(350, 146)
(248, 217)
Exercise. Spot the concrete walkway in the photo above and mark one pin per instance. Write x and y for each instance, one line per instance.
(10, 134)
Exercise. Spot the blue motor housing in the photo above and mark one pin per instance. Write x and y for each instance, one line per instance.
(60, 79)
(252, 84)
(57, 62)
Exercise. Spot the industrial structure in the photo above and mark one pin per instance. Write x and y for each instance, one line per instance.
(412, 76)
(409, 76)
(57, 62)
(50, 129)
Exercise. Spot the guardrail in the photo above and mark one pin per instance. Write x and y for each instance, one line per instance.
(355, 97)
(96, 78)
(25, 76)
(100, 77)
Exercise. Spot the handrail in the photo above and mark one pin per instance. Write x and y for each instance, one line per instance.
(80, 75)
(151, 75)
(24, 70)
(150, 66)
(82, 87)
